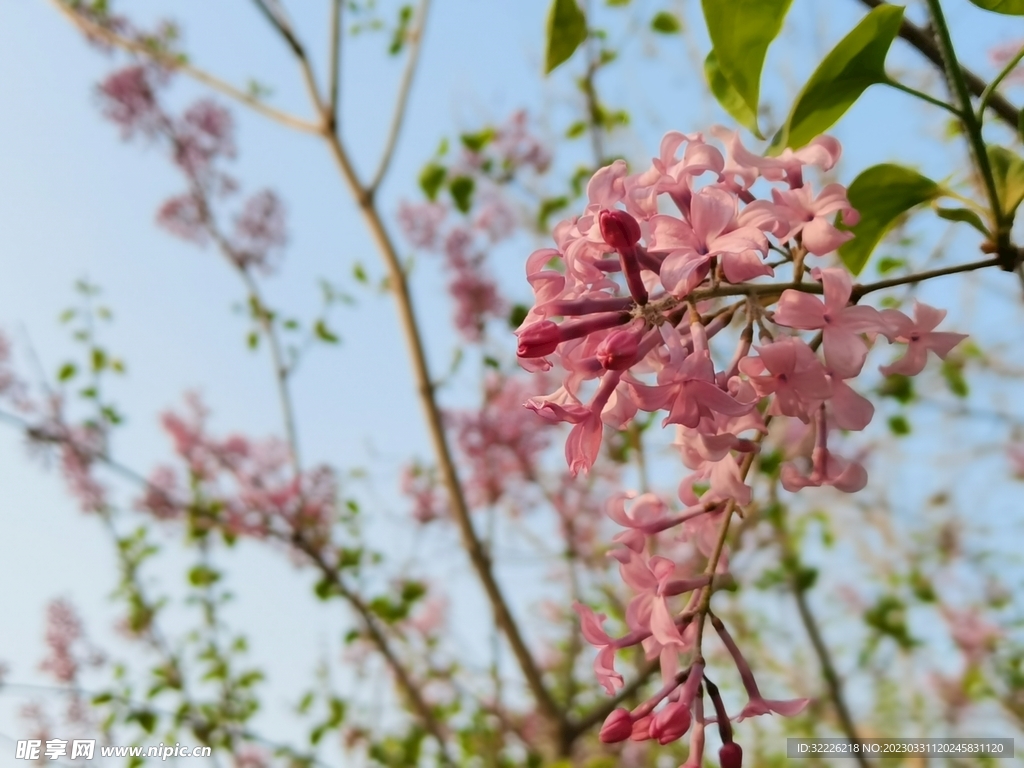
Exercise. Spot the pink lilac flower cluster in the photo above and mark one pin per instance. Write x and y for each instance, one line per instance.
(464, 244)
(199, 140)
(240, 486)
(628, 304)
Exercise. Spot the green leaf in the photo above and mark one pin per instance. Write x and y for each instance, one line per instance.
(966, 215)
(401, 32)
(1008, 170)
(666, 23)
(881, 194)
(887, 264)
(728, 96)
(324, 333)
(858, 61)
(741, 31)
(517, 315)
(898, 387)
(567, 28)
(899, 425)
(475, 142)
(203, 576)
(549, 206)
(462, 192)
(576, 129)
(953, 373)
(1007, 7)
(67, 371)
(431, 179)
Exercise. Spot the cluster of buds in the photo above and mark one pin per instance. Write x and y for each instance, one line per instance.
(627, 306)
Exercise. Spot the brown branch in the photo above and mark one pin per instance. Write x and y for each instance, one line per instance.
(923, 40)
(92, 29)
(399, 287)
(409, 687)
(334, 64)
(478, 556)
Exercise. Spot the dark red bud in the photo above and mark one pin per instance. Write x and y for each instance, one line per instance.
(620, 230)
(731, 755)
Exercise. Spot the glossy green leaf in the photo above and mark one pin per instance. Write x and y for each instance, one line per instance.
(1008, 171)
(666, 23)
(965, 215)
(567, 28)
(881, 194)
(741, 31)
(856, 63)
(729, 97)
(1008, 7)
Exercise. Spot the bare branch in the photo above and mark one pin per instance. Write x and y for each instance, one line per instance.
(92, 29)
(334, 64)
(402, 102)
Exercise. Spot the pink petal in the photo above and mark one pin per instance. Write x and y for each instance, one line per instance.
(845, 352)
(838, 286)
(663, 625)
(850, 410)
(820, 237)
(797, 309)
(711, 211)
(926, 317)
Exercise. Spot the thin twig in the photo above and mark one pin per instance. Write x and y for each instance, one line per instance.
(95, 30)
(402, 101)
(334, 66)
(924, 41)
(399, 287)
(412, 689)
(807, 618)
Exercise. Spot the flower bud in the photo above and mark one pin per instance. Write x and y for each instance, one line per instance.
(538, 339)
(641, 729)
(618, 726)
(619, 349)
(671, 723)
(620, 230)
(731, 755)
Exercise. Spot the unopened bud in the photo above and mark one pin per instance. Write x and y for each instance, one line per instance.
(618, 726)
(619, 349)
(538, 339)
(641, 729)
(620, 230)
(671, 723)
(731, 755)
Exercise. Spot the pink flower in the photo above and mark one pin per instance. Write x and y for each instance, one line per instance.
(842, 325)
(842, 474)
(712, 232)
(811, 217)
(919, 336)
(789, 369)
